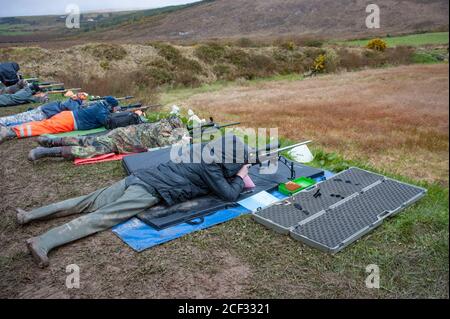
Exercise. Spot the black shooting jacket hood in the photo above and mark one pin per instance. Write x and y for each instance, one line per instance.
(8, 73)
(211, 168)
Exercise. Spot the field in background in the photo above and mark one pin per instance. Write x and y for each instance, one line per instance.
(432, 38)
(395, 119)
(13, 29)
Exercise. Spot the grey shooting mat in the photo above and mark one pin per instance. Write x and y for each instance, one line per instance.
(162, 216)
(338, 211)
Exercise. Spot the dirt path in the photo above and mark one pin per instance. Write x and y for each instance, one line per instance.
(394, 118)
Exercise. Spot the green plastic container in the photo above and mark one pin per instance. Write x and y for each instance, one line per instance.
(304, 182)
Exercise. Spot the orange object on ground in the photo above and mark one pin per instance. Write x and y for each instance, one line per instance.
(60, 123)
(101, 158)
(291, 186)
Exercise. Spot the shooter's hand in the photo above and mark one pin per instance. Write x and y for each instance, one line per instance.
(243, 172)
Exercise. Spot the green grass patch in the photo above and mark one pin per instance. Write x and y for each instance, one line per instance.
(434, 38)
(14, 29)
(429, 56)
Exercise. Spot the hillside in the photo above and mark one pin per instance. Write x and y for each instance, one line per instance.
(234, 19)
(327, 18)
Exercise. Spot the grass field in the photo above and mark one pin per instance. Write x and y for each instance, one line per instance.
(13, 29)
(434, 38)
(392, 120)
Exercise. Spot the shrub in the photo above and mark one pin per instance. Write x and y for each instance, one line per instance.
(399, 55)
(424, 58)
(22, 54)
(106, 51)
(187, 79)
(188, 65)
(312, 53)
(210, 53)
(238, 57)
(158, 63)
(167, 51)
(332, 60)
(315, 43)
(289, 46)
(377, 45)
(159, 76)
(291, 62)
(245, 43)
(223, 71)
(105, 65)
(319, 64)
(263, 65)
(351, 60)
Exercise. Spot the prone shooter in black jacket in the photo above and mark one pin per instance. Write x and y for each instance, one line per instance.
(221, 174)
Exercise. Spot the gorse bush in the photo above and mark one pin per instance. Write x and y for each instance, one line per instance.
(238, 57)
(289, 45)
(210, 53)
(377, 44)
(223, 71)
(105, 65)
(174, 66)
(108, 52)
(245, 43)
(167, 51)
(319, 64)
(174, 69)
(159, 76)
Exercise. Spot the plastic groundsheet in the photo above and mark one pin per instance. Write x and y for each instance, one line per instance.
(140, 236)
(79, 133)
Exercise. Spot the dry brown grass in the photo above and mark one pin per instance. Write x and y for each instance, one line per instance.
(396, 118)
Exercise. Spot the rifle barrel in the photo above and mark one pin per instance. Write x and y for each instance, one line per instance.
(51, 85)
(63, 91)
(118, 98)
(229, 124)
(266, 153)
(125, 98)
(212, 125)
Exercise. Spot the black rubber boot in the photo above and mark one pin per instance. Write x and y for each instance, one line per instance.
(6, 133)
(49, 141)
(41, 152)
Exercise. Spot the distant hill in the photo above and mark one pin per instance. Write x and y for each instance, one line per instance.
(329, 18)
(237, 18)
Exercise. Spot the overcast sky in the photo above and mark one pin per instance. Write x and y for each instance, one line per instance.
(9, 8)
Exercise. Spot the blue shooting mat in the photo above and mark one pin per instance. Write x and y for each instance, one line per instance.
(140, 236)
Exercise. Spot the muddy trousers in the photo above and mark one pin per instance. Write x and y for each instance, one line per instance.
(20, 97)
(103, 209)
